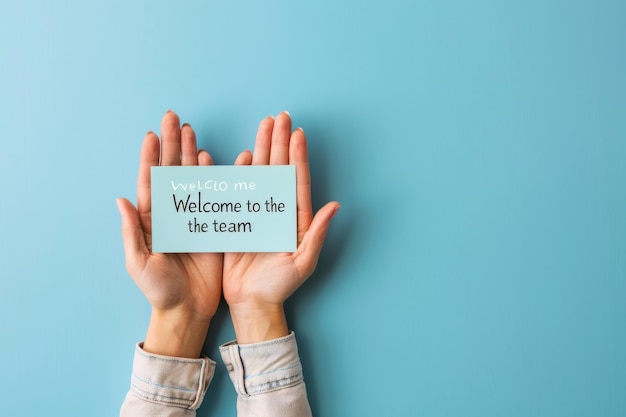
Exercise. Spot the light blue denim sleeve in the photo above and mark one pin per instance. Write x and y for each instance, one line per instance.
(268, 378)
(166, 386)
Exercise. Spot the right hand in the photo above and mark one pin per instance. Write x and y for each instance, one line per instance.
(256, 285)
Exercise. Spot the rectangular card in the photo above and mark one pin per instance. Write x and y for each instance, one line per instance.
(224, 208)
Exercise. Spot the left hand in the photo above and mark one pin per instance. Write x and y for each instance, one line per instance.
(184, 289)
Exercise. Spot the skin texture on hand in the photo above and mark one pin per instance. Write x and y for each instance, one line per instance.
(183, 289)
(256, 285)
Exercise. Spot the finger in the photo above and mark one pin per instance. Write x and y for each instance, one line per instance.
(244, 158)
(281, 134)
(189, 147)
(309, 249)
(261, 155)
(299, 156)
(148, 158)
(204, 158)
(170, 139)
(136, 250)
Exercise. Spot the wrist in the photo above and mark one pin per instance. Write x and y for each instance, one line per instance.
(256, 323)
(176, 333)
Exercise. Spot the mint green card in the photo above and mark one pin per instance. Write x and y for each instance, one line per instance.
(224, 208)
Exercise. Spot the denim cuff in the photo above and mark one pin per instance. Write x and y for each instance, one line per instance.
(258, 368)
(170, 381)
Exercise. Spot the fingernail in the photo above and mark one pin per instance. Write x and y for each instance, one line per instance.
(169, 111)
(185, 124)
(300, 129)
(118, 203)
(336, 210)
(286, 112)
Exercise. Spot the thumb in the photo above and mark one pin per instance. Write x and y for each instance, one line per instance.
(135, 248)
(313, 240)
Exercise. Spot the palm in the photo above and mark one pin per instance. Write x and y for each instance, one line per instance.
(187, 281)
(173, 280)
(270, 278)
(263, 277)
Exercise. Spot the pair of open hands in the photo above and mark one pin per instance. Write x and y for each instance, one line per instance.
(185, 289)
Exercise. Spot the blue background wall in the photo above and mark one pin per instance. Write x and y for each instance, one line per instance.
(477, 266)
